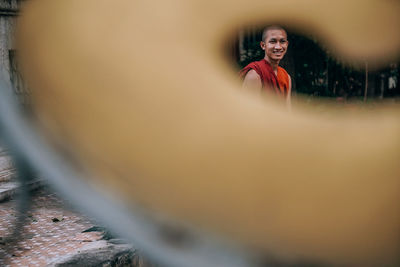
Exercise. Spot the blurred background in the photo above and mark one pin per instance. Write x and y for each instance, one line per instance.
(315, 73)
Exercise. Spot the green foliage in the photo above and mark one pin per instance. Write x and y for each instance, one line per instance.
(315, 72)
(252, 53)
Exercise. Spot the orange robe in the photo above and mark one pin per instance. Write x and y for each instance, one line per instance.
(269, 80)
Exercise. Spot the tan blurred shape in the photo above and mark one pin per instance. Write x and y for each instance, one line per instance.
(141, 94)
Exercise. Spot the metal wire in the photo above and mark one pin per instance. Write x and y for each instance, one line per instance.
(23, 175)
(138, 227)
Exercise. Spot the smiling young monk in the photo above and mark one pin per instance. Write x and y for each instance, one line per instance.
(266, 73)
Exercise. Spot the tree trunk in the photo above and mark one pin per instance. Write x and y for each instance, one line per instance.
(242, 51)
(382, 76)
(366, 81)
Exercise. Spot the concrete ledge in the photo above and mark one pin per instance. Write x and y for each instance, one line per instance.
(6, 168)
(6, 174)
(101, 253)
(9, 189)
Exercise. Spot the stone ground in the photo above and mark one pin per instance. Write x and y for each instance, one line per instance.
(53, 236)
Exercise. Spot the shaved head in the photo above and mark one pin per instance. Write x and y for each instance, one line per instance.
(269, 28)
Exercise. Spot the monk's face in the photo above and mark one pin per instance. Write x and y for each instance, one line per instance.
(275, 45)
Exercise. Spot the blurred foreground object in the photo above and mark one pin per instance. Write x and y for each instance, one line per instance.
(140, 96)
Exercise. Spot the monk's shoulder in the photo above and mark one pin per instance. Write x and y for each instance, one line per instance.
(252, 74)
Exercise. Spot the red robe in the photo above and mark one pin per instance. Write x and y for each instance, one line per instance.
(269, 80)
